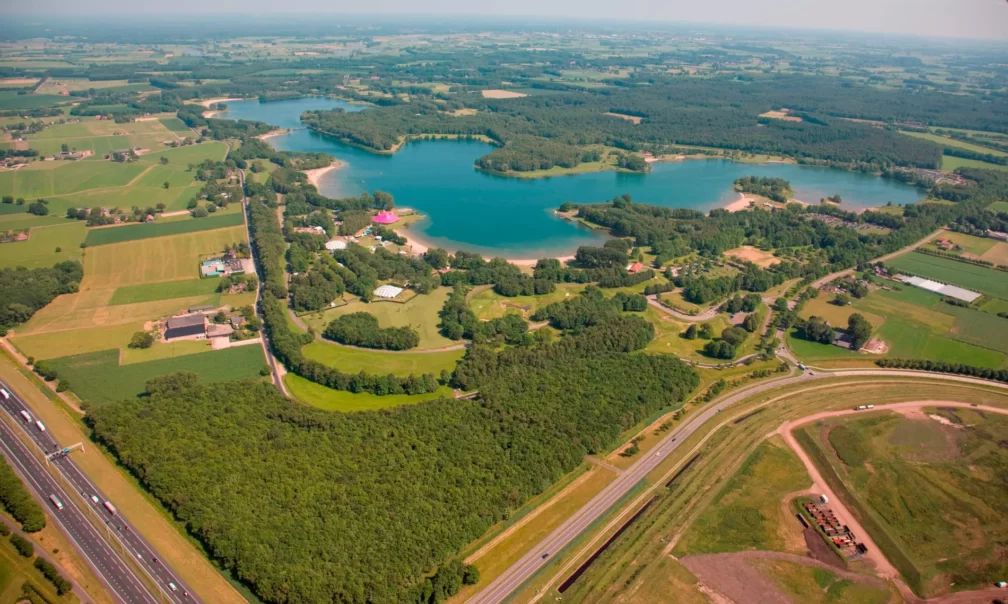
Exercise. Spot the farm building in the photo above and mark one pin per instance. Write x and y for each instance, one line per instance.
(335, 244)
(223, 266)
(388, 291)
(635, 268)
(940, 288)
(188, 327)
(219, 331)
(237, 321)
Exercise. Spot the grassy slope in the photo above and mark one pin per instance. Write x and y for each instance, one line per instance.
(352, 360)
(319, 396)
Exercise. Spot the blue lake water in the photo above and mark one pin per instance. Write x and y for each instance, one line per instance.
(512, 217)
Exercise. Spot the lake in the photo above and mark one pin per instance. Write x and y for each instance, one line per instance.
(512, 217)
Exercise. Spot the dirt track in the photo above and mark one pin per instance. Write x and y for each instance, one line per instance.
(882, 565)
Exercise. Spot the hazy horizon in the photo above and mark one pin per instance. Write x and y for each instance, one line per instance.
(978, 19)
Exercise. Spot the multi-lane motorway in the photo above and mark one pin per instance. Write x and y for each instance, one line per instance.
(541, 555)
(87, 525)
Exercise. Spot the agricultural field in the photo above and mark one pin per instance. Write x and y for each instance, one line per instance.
(99, 379)
(914, 323)
(40, 248)
(355, 360)
(927, 488)
(998, 206)
(133, 232)
(419, 313)
(949, 163)
(983, 248)
(747, 512)
(94, 319)
(977, 278)
(328, 399)
(951, 142)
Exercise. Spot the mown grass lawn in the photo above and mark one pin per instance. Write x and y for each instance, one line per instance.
(352, 360)
(166, 290)
(319, 396)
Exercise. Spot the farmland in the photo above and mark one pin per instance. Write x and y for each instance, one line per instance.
(914, 323)
(99, 379)
(149, 292)
(949, 529)
(133, 232)
(977, 278)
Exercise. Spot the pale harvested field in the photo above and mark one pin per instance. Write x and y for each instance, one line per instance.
(18, 82)
(997, 254)
(781, 114)
(752, 254)
(629, 118)
(501, 94)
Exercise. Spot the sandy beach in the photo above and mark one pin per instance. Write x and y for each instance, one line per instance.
(417, 247)
(317, 173)
(272, 133)
(209, 102)
(742, 203)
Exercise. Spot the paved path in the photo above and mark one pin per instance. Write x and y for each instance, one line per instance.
(539, 555)
(706, 315)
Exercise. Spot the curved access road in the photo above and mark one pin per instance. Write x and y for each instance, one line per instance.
(706, 315)
(539, 556)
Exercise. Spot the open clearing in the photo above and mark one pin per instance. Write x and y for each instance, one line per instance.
(419, 313)
(748, 253)
(99, 379)
(502, 94)
(487, 304)
(630, 118)
(354, 360)
(925, 486)
(781, 114)
(746, 513)
(319, 396)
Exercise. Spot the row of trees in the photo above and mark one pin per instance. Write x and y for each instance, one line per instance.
(18, 502)
(24, 291)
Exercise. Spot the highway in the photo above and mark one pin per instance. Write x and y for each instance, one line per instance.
(540, 555)
(83, 524)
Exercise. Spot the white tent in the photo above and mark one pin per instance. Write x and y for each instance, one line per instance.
(335, 244)
(388, 291)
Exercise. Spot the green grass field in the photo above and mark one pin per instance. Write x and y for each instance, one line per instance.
(977, 278)
(133, 294)
(176, 125)
(352, 360)
(488, 304)
(930, 488)
(315, 395)
(40, 249)
(747, 513)
(98, 378)
(915, 323)
(814, 585)
(16, 570)
(998, 206)
(419, 313)
(950, 163)
(133, 232)
(951, 142)
(13, 100)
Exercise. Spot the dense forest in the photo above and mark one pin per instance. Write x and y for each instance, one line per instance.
(362, 507)
(542, 131)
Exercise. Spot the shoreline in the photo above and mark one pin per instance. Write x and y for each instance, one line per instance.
(417, 247)
(314, 175)
(271, 133)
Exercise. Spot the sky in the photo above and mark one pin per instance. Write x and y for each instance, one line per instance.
(985, 19)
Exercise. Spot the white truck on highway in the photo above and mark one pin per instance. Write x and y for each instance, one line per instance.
(111, 508)
(5, 394)
(56, 502)
(25, 415)
(40, 425)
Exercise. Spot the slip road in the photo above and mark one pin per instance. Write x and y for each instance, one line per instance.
(117, 575)
(541, 555)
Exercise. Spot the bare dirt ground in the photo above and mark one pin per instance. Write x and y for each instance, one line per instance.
(502, 94)
(748, 253)
(629, 118)
(734, 576)
(781, 114)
